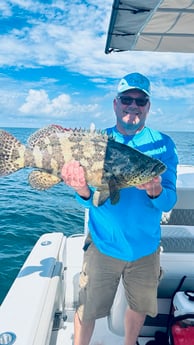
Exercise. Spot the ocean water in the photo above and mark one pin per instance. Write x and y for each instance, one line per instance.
(25, 214)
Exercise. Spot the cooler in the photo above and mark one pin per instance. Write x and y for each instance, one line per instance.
(183, 303)
(183, 335)
(183, 329)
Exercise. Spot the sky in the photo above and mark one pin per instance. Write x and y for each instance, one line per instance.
(53, 69)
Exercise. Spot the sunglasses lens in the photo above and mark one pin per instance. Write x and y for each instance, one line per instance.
(126, 100)
(140, 102)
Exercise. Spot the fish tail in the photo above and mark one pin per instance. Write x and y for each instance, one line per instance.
(12, 154)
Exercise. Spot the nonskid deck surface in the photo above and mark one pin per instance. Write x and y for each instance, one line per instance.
(101, 335)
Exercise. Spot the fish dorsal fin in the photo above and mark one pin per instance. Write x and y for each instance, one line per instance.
(42, 180)
(40, 137)
(100, 197)
(114, 192)
(92, 128)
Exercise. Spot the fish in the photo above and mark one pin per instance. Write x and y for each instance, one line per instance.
(109, 165)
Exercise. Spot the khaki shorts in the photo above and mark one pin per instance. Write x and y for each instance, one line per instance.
(100, 277)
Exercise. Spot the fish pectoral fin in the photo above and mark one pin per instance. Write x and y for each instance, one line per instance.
(100, 196)
(113, 191)
(42, 180)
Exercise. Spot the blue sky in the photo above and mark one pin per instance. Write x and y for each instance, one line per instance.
(53, 69)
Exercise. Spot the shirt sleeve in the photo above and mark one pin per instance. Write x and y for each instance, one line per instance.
(85, 202)
(168, 197)
(166, 200)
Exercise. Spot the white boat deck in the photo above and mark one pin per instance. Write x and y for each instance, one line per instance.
(101, 336)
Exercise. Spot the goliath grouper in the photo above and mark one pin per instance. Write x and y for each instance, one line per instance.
(109, 165)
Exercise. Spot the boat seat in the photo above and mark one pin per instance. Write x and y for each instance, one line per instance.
(178, 216)
(177, 238)
(183, 212)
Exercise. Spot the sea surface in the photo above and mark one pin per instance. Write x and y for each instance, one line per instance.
(25, 214)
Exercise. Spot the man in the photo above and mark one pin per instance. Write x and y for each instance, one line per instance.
(124, 239)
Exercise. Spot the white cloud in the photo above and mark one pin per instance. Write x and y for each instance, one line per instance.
(38, 103)
(5, 9)
(73, 34)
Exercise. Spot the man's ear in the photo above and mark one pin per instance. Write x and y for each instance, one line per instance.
(114, 104)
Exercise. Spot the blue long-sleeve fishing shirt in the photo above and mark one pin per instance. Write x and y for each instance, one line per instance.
(131, 229)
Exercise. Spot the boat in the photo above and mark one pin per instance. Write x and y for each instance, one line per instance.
(40, 305)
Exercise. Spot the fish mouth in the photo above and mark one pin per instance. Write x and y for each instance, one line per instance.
(159, 168)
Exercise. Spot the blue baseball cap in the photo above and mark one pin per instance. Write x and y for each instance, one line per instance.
(134, 81)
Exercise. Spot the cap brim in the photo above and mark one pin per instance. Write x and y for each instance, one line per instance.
(134, 88)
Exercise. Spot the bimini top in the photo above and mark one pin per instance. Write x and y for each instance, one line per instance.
(151, 25)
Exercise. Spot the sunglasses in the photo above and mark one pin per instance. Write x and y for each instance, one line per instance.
(140, 102)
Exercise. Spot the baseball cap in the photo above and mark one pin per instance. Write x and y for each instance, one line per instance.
(134, 81)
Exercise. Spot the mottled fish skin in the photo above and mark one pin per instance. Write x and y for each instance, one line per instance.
(12, 154)
(109, 165)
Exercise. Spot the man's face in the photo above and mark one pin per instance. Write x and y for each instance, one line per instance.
(131, 114)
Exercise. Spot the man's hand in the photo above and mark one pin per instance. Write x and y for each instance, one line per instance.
(73, 175)
(152, 188)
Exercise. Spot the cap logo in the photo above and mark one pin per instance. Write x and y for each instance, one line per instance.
(138, 80)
